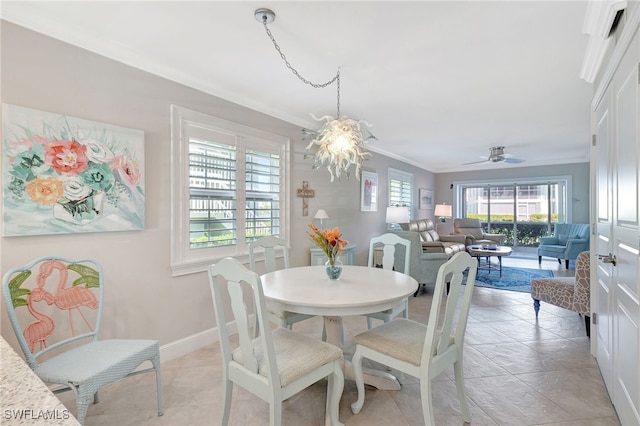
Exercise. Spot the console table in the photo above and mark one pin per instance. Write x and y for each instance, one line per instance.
(348, 255)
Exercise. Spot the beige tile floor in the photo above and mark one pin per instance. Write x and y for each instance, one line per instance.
(517, 372)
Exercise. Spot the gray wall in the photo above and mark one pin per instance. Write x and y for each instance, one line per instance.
(579, 173)
(142, 299)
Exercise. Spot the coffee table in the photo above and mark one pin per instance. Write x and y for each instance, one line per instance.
(479, 252)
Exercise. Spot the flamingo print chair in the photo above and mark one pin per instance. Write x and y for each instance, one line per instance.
(54, 304)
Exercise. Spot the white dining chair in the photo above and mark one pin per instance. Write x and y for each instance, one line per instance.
(425, 351)
(388, 242)
(278, 363)
(269, 246)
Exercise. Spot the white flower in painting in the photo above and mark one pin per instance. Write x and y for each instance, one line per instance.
(74, 189)
(98, 152)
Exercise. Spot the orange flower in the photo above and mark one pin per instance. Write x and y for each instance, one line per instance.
(329, 240)
(45, 190)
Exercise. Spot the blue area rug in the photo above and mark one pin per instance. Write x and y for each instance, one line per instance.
(513, 279)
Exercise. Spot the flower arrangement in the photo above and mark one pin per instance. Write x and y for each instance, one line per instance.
(329, 240)
(71, 174)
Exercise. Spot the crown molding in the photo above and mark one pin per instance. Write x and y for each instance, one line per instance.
(632, 26)
(597, 24)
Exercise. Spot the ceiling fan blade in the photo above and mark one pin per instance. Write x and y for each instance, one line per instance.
(476, 162)
(513, 160)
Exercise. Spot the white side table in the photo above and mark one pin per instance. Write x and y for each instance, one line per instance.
(348, 255)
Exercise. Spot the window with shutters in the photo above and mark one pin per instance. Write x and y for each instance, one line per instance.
(229, 186)
(400, 188)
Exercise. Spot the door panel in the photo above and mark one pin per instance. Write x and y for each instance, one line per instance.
(603, 303)
(626, 229)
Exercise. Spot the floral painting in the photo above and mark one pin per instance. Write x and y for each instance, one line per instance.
(63, 174)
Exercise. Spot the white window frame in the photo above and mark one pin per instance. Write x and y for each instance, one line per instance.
(395, 174)
(185, 260)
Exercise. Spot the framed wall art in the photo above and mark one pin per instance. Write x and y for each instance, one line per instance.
(426, 199)
(64, 174)
(369, 192)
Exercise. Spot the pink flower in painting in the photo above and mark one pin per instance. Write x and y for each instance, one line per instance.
(45, 190)
(67, 156)
(128, 169)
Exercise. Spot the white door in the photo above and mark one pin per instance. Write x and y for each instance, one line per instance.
(602, 245)
(617, 293)
(626, 238)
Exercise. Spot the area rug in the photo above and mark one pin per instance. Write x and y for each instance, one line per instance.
(513, 279)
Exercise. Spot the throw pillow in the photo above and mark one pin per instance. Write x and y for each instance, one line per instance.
(562, 239)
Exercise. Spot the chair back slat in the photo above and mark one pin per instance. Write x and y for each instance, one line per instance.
(230, 279)
(451, 322)
(270, 246)
(241, 316)
(389, 241)
(53, 302)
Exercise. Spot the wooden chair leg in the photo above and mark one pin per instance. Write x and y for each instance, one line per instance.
(587, 323)
(566, 263)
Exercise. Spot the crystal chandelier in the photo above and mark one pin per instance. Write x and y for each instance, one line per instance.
(340, 142)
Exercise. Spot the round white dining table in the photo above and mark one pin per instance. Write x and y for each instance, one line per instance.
(360, 290)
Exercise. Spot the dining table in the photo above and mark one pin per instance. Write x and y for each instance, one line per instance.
(359, 290)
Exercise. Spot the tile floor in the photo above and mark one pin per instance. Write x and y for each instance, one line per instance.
(518, 372)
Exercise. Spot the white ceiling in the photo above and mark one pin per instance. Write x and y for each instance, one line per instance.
(440, 82)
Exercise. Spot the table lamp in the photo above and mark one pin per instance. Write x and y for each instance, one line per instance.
(322, 215)
(443, 211)
(397, 214)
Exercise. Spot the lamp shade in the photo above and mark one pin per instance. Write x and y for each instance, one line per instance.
(397, 215)
(321, 214)
(442, 210)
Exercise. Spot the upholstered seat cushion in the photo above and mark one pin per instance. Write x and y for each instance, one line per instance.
(297, 355)
(556, 291)
(401, 338)
(571, 293)
(100, 362)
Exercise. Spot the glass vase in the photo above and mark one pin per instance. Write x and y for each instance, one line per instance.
(334, 271)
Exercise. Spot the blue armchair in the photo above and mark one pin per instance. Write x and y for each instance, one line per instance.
(568, 240)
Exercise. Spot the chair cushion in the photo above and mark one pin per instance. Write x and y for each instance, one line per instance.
(296, 355)
(401, 338)
(556, 291)
(104, 361)
(562, 239)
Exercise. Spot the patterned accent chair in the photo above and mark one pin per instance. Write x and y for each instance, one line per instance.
(55, 308)
(567, 241)
(571, 293)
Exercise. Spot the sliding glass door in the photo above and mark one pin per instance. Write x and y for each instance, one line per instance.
(523, 212)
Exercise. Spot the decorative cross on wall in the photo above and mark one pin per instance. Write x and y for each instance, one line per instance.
(304, 193)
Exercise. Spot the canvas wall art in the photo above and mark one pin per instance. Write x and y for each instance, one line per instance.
(65, 175)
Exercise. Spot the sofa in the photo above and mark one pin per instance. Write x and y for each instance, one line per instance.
(431, 241)
(568, 240)
(429, 250)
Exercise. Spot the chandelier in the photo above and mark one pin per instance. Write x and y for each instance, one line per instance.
(340, 141)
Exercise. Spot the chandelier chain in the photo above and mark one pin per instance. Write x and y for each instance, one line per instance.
(295, 72)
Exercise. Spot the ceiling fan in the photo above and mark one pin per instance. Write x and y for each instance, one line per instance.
(497, 155)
